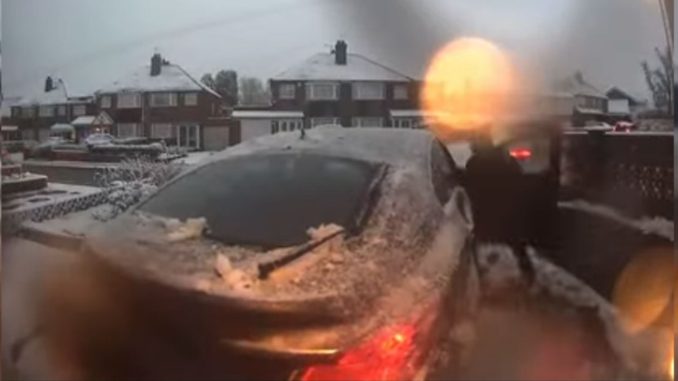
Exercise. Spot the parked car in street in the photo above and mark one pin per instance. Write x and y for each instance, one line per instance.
(623, 126)
(98, 139)
(341, 254)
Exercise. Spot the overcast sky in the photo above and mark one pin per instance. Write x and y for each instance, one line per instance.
(92, 42)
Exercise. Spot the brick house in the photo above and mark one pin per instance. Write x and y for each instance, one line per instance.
(35, 115)
(591, 104)
(337, 88)
(162, 101)
(623, 106)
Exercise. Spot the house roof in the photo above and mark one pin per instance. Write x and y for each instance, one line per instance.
(172, 77)
(577, 85)
(634, 99)
(83, 120)
(322, 66)
(57, 95)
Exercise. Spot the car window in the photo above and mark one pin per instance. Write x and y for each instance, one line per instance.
(442, 172)
(268, 200)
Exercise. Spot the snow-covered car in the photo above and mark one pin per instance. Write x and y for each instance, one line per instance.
(98, 139)
(342, 254)
(46, 146)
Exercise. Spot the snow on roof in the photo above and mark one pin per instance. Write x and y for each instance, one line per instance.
(585, 110)
(57, 95)
(83, 120)
(579, 86)
(322, 66)
(61, 127)
(266, 114)
(171, 78)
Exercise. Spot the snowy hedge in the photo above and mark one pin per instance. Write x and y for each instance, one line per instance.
(126, 184)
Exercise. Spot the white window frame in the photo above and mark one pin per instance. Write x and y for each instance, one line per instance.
(368, 91)
(127, 127)
(361, 121)
(400, 92)
(162, 131)
(129, 100)
(404, 122)
(61, 110)
(171, 99)
(79, 110)
(193, 97)
(195, 126)
(312, 91)
(106, 101)
(46, 111)
(324, 120)
(287, 91)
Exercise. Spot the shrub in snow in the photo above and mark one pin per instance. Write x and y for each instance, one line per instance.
(127, 183)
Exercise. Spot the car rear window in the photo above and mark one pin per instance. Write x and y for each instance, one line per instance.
(268, 200)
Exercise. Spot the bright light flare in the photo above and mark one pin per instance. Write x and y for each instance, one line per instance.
(468, 84)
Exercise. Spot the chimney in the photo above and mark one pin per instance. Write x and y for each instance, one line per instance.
(340, 52)
(49, 84)
(579, 76)
(156, 64)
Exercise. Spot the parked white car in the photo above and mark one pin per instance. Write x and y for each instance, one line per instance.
(99, 139)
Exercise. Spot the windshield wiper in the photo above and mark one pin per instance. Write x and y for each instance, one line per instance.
(266, 268)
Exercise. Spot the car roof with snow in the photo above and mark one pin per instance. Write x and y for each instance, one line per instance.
(384, 145)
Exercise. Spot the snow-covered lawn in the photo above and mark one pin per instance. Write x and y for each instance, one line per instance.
(648, 225)
(193, 158)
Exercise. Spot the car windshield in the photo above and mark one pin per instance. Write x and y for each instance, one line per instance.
(249, 200)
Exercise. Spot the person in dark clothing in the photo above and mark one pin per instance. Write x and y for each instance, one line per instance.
(493, 182)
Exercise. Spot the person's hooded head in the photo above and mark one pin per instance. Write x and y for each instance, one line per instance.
(482, 141)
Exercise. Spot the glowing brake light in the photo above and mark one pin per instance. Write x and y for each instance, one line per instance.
(390, 354)
(521, 153)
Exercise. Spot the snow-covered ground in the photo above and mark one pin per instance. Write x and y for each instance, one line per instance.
(648, 225)
(193, 158)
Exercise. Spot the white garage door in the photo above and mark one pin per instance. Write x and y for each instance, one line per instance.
(215, 138)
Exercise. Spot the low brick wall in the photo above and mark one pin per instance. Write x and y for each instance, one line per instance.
(12, 220)
(630, 172)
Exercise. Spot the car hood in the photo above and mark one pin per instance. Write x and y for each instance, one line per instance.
(406, 254)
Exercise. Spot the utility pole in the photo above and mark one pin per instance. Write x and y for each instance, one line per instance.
(666, 8)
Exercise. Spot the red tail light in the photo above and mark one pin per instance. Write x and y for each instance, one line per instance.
(521, 153)
(390, 354)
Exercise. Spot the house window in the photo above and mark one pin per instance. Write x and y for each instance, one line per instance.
(287, 91)
(403, 123)
(400, 92)
(161, 131)
(28, 112)
(282, 125)
(127, 130)
(191, 99)
(79, 110)
(61, 110)
(368, 90)
(315, 122)
(46, 111)
(163, 99)
(367, 122)
(16, 112)
(322, 91)
(129, 100)
(106, 101)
